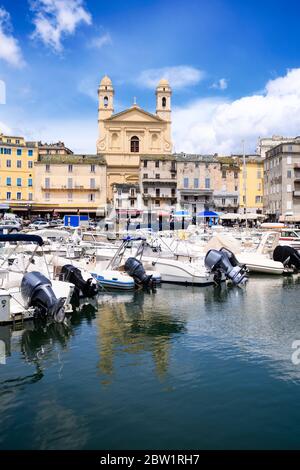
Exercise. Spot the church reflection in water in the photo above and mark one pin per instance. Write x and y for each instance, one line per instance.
(143, 326)
(134, 324)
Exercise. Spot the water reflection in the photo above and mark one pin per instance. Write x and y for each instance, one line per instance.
(39, 341)
(134, 325)
(260, 320)
(181, 367)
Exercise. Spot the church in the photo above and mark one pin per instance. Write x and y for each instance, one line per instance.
(126, 136)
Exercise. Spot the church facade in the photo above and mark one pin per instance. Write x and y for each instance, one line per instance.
(128, 135)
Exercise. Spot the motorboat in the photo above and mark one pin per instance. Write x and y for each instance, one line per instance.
(120, 267)
(26, 285)
(59, 242)
(257, 260)
(171, 266)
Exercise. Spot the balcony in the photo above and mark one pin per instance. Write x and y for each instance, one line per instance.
(161, 196)
(225, 194)
(228, 204)
(296, 193)
(195, 192)
(66, 188)
(159, 180)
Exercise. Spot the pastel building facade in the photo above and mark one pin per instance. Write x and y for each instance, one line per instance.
(71, 184)
(125, 136)
(17, 176)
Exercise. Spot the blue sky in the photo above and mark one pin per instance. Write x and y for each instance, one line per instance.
(234, 66)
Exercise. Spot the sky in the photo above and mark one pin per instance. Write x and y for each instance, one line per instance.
(234, 68)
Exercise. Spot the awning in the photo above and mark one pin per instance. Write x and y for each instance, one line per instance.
(77, 210)
(207, 214)
(251, 216)
(230, 216)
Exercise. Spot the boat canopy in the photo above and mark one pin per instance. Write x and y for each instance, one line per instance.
(22, 237)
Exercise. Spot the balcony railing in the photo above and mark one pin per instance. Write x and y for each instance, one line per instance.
(66, 188)
(195, 191)
(161, 196)
(159, 180)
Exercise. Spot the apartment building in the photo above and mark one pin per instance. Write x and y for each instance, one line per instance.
(56, 148)
(71, 184)
(194, 182)
(251, 183)
(225, 173)
(282, 180)
(17, 176)
(127, 199)
(207, 182)
(265, 144)
(158, 182)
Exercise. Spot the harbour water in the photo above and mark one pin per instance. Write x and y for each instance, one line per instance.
(198, 368)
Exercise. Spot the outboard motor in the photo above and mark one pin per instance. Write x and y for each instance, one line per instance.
(37, 292)
(287, 255)
(72, 274)
(224, 261)
(135, 269)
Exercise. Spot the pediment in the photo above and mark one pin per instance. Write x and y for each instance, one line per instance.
(135, 114)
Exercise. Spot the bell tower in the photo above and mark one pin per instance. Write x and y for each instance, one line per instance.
(106, 98)
(105, 110)
(163, 100)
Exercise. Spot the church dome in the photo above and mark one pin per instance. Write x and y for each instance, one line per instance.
(106, 81)
(163, 82)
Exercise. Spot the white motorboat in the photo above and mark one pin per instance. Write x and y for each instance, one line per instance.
(115, 270)
(25, 287)
(171, 267)
(258, 260)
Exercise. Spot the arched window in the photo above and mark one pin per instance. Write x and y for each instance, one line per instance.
(105, 101)
(164, 102)
(134, 144)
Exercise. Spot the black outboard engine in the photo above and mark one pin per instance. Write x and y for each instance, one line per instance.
(224, 261)
(72, 274)
(287, 255)
(37, 292)
(135, 269)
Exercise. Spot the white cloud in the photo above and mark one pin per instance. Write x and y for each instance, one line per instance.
(180, 76)
(100, 41)
(54, 19)
(9, 47)
(221, 84)
(218, 125)
(78, 134)
(4, 129)
(2, 92)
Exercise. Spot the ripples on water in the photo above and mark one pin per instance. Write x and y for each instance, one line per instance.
(182, 368)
